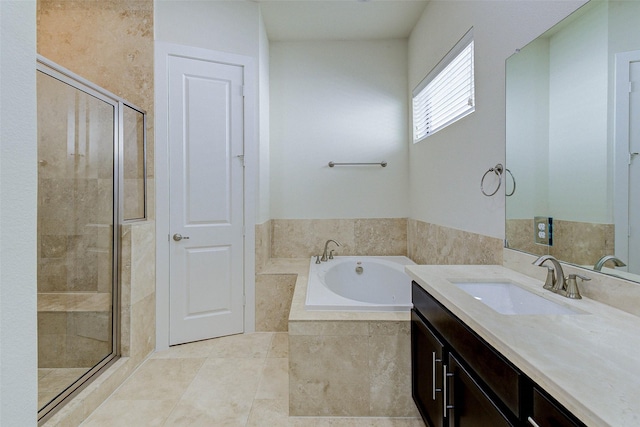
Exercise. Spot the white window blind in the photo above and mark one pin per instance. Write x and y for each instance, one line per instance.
(447, 93)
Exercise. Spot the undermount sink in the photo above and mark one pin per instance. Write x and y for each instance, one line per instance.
(507, 298)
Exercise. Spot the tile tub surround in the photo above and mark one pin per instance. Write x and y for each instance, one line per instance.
(347, 363)
(585, 361)
(274, 293)
(434, 244)
(297, 238)
(263, 245)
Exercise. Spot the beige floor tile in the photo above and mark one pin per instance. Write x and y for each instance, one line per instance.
(230, 380)
(130, 413)
(226, 382)
(269, 412)
(209, 413)
(198, 349)
(242, 346)
(43, 372)
(160, 379)
(279, 345)
(221, 394)
(274, 383)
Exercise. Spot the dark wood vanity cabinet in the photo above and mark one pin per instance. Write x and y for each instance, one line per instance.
(546, 412)
(469, 405)
(436, 371)
(426, 371)
(481, 387)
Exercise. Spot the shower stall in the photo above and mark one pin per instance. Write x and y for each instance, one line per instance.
(91, 179)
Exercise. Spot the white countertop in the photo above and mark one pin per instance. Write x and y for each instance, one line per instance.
(589, 362)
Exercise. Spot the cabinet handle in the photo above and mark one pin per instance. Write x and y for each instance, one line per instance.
(532, 423)
(445, 375)
(433, 374)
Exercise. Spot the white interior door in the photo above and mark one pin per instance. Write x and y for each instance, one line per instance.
(205, 127)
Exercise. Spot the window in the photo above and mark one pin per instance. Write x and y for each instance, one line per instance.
(447, 93)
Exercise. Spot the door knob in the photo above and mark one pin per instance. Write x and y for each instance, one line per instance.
(177, 237)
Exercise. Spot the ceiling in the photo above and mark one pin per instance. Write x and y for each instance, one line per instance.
(287, 20)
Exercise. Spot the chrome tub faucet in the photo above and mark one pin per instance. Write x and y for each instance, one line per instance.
(326, 245)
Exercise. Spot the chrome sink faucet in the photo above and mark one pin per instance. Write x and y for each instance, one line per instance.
(326, 245)
(616, 261)
(555, 275)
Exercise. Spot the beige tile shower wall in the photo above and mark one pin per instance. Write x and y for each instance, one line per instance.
(74, 190)
(435, 244)
(302, 238)
(110, 43)
(137, 302)
(142, 315)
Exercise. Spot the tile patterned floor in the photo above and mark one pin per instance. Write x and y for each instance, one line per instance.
(240, 380)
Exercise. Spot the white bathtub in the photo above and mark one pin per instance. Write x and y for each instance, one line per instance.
(382, 285)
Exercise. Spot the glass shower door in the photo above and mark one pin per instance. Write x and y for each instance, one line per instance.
(77, 224)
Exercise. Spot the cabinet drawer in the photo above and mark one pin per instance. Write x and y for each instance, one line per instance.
(470, 405)
(549, 413)
(501, 378)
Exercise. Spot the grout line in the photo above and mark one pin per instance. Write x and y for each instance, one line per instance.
(175, 405)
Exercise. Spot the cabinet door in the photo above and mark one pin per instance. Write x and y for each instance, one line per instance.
(548, 413)
(427, 353)
(468, 405)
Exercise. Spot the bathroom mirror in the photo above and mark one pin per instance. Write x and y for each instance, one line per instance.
(572, 128)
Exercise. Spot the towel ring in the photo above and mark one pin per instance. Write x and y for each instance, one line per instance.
(514, 184)
(497, 169)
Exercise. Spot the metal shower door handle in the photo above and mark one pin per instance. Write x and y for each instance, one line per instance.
(177, 237)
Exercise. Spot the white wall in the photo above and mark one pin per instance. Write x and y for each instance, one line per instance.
(226, 26)
(446, 168)
(342, 101)
(263, 191)
(18, 187)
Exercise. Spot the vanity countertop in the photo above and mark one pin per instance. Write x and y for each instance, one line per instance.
(588, 362)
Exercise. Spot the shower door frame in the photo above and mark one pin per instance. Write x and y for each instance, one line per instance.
(64, 75)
